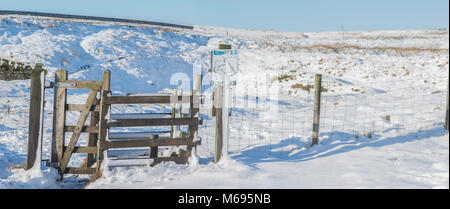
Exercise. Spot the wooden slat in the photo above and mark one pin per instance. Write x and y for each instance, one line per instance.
(76, 133)
(135, 135)
(83, 84)
(79, 170)
(123, 116)
(151, 143)
(154, 122)
(91, 149)
(90, 129)
(128, 153)
(80, 107)
(149, 99)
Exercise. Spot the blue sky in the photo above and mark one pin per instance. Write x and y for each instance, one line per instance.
(283, 15)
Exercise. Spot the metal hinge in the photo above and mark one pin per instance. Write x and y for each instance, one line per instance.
(53, 85)
(65, 84)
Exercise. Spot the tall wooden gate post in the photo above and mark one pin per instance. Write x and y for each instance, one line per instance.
(102, 129)
(35, 117)
(316, 119)
(59, 117)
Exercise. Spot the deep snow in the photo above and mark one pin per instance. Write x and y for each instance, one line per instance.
(369, 75)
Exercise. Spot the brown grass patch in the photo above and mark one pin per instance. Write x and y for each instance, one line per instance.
(303, 87)
(285, 77)
(307, 87)
(388, 118)
(338, 47)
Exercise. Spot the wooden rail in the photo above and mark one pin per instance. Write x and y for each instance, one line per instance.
(154, 122)
(150, 99)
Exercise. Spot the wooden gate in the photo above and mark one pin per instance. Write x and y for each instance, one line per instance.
(62, 151)
(101, 120)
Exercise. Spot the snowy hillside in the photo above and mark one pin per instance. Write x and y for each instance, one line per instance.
(367, 75)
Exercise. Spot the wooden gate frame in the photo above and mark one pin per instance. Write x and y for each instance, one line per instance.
(61, 154)
(98, 107)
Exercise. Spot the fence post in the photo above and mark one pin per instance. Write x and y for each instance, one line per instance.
(218, 102)
(447, 114)
(316, 119)
(35, 117)
(213, 108)
(59, 117)
(102, 129)
(198, 83)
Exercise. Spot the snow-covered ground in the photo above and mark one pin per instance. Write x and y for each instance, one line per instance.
(368, 76)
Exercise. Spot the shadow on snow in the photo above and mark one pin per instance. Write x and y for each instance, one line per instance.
(335, 143)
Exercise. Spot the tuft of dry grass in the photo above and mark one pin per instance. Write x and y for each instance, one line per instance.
(339, 47)
(388, 118)
(303, 87)
(285, 77)
(307, 87)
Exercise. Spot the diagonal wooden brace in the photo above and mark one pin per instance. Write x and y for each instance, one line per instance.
(76, 133)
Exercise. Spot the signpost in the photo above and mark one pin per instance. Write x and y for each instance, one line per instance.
(224, 64)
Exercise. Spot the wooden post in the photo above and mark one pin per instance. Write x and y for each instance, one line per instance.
(35, 117)
(59, 117)
(197, 91)
(154, 150)
(447, 114)
(218, 101)
(102, 130)
(211, 62)
(198, 83)
(316, 119)
(106, 80)
(221, 46)
(193, 110)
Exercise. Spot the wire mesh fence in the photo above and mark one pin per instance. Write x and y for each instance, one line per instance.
(394, 113)
(400, 109)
